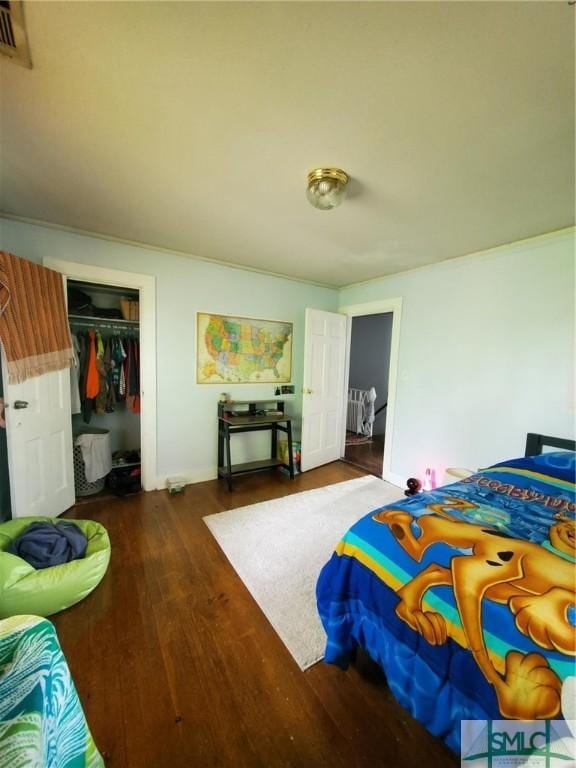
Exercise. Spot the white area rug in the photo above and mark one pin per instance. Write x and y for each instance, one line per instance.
(279, 547)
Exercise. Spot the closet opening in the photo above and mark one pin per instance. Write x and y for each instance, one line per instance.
(5, 502)
(369, 369)
(105, 389)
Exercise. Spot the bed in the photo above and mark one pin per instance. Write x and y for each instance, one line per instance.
(464, 595)
(41, 719)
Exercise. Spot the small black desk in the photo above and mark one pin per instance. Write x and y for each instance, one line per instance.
(233, 419)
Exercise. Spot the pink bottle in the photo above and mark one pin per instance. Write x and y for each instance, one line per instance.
(428, 484)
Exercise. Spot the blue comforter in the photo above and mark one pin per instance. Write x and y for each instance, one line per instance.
(464, 595)
(41, 719)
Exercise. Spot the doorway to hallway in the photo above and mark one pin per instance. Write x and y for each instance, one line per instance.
(370, 345)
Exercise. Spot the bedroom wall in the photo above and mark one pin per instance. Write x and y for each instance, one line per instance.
(486, 354)
(186, 412)
(486, 348)
(370, 341)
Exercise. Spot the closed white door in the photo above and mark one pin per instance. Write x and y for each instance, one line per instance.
(323, 398)
(39, 438)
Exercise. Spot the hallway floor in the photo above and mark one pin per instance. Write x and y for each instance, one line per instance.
(369, 456)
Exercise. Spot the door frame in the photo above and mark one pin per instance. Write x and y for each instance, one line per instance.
(146, 285)
(384, 306)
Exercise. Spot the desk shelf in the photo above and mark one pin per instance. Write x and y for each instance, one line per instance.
(249, 420)
(251, 466)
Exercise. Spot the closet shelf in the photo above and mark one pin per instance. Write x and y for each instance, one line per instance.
(107, 290)
(122, 464)
(106, 321)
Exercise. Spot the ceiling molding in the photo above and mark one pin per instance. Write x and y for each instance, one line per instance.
(487, 252)
(160, 249)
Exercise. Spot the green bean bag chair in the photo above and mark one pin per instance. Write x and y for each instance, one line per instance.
(25, 590)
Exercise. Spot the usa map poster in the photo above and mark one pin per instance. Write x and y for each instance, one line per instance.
(243, 350)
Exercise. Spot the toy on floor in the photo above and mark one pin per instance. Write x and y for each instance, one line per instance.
(413, 486)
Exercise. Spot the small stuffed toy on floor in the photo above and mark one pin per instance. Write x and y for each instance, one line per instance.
(413, 486)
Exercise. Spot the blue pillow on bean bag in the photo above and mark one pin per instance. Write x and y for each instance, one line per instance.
(43, 545)
(42, 592)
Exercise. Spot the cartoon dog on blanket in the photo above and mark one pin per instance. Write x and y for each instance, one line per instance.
(534, 582)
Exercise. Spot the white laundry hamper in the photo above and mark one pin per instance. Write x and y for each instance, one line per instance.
(82, 486)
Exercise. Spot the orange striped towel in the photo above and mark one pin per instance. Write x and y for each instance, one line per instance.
(33, 323)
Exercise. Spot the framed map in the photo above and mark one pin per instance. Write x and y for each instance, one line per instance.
(242, 350)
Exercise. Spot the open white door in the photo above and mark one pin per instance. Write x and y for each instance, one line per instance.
(323, 400)
(39, 437)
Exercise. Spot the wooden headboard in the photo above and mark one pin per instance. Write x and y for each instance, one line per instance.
(535, 443)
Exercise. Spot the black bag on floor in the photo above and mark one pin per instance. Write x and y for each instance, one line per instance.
(124, 480)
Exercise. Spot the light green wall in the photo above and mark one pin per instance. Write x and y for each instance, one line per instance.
(486, 348)
(186, 412)
(486, 354)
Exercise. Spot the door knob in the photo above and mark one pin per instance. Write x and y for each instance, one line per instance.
(18, 404)
(307, 391)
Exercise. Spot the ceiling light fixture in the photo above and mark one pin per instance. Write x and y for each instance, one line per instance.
(326, 188)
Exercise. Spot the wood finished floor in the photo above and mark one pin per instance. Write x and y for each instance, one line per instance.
(177, 666)
(368, 456)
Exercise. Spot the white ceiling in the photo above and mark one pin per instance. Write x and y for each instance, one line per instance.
(192, 126)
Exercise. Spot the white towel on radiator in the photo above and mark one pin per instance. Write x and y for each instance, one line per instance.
(369, 414)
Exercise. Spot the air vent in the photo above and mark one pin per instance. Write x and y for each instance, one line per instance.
(13, 38)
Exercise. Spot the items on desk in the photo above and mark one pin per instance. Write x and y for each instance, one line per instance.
(285, 389)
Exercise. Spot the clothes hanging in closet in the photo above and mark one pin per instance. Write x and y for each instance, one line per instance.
(133, 376)
(75, 400)
(108, 372)
(92, 380)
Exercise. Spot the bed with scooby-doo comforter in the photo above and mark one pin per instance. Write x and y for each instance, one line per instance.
(464, 595)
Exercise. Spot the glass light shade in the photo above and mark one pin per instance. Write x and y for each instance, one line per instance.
(326, 188)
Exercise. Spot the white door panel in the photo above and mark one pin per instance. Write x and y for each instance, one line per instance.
(323, 399)
(39, 437)
(331, 423)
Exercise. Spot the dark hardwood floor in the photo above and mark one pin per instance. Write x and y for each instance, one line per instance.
(177, 666)
(368, 456)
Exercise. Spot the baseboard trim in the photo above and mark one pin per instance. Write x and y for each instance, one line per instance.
(203, 475)
(394, 479)
(190, 478)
